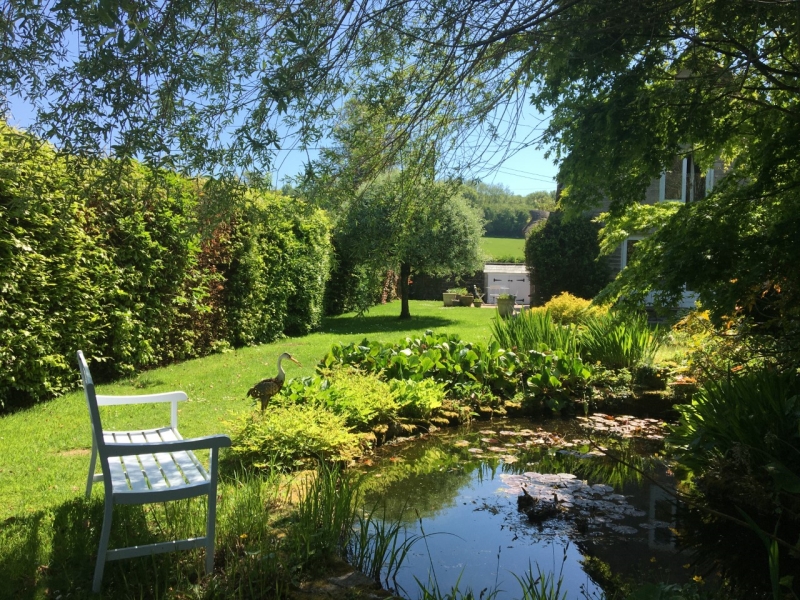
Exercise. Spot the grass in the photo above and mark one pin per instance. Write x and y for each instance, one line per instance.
(504, 249)
(45, 449)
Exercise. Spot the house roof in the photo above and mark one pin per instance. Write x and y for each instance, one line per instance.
(505, 268)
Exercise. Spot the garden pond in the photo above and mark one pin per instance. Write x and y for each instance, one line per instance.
(493, 501)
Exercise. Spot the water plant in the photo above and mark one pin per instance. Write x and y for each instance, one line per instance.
(740, 437)
(323, 520)
(534, 330)
(619, 340)
(447, 359)
(468, 370)
(758, 411)
(377, 547)
(556, 378)
(542, 586)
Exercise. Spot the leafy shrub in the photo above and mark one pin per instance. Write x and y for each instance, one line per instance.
(279, 266)
(759, 411)
(353, 286)
(146, 225)
(52, 276)
(508, 258)
(534, 330)
(417, 399)
(563, 256)
(617, 341)
(363, 399)
(712, 352)
(293, 435)
(566, 308)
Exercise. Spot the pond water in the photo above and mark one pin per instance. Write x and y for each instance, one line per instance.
(586, 494)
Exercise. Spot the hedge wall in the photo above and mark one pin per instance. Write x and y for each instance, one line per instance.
(109, 258)
(562, 256)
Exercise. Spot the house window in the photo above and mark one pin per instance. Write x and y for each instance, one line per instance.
(672, 182)
(628, 250)
(684, 181)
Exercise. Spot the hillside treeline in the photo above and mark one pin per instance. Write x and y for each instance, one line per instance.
(123, 262)
(505, 213)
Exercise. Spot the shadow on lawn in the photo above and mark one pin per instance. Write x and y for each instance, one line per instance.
(382, 324)
(29, 568)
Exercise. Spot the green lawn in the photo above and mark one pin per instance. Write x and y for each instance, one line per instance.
(504, 249)
(45, 449)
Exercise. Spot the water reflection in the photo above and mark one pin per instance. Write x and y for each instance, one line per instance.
(460, 491)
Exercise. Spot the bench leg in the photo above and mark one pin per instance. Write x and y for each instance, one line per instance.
(92, 464)
(105, 534)
(211, 517)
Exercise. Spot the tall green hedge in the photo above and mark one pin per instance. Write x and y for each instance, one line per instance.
(279, 268)
(109, 258)
(563, 256)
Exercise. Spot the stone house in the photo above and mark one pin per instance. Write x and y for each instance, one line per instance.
(683, 182)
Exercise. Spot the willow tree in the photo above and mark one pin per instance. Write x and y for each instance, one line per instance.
(414, 227)
(393, 211)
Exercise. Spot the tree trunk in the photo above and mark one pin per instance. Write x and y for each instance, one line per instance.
(405, 274)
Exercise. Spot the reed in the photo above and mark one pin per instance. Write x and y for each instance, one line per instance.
(541, 586)
(619, 341)
(324, 517)
(379, 546)
(535, 330)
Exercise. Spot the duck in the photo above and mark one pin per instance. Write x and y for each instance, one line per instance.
(267, 388)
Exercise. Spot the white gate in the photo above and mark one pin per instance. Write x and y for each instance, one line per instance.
(507, 279)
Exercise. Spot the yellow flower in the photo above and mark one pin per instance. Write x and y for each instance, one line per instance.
(243, 536)
(698, 579)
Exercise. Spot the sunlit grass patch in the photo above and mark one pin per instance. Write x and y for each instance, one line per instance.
(504, 249)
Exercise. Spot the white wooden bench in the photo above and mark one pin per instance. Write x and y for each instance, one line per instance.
(148, 466)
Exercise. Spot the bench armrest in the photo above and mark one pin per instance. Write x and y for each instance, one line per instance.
(172, 397)
(201, 443)
(103, 400)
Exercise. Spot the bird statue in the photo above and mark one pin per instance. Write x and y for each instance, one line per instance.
(267, 388)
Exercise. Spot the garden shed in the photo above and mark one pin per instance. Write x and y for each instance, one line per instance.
(507, 278)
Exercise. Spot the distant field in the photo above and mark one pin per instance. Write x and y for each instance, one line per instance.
(504, 249)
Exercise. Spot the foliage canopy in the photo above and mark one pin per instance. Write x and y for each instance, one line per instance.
(207, 84)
